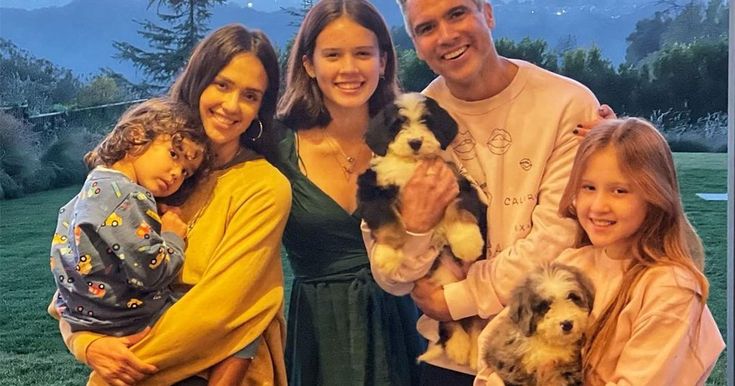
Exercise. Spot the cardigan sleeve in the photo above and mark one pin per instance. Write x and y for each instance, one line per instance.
(239, 293)
(76, 342)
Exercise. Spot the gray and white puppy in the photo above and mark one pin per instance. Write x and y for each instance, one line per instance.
(539, 341)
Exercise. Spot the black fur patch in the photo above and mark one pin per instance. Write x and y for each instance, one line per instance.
(439, 122)
(382, 128)
(376, 203)
(469, 200)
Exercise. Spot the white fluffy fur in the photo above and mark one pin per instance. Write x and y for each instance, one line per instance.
(457, 228)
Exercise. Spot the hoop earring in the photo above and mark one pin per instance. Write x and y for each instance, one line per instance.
(260, 133)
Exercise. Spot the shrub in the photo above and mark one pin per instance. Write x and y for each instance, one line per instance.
(18, 150)
(64, 158)
(8, 187)
(705, 134)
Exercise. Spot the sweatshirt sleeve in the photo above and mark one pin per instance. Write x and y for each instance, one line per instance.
(238, 295)
(670, 334)
(489, 282)
(419, 255)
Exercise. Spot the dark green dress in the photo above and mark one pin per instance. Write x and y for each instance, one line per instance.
(342, 329)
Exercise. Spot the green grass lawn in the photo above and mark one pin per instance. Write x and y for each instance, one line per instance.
(31, 351)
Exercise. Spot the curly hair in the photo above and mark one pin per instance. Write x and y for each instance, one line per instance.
(141, 124)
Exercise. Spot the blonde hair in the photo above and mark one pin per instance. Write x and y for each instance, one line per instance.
(664, 237)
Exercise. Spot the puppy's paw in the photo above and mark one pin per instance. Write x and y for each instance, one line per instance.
(473, 356)
(432, 352)
(386, 258)
(466, 241)
(458, 347)
(474, 348)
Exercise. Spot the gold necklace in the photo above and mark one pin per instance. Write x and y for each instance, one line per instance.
(348, 166)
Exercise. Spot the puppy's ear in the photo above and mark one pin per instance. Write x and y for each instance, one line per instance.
(521, 309)
(440, 123)
(382, 129)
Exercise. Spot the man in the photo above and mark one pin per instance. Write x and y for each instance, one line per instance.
(516, 141)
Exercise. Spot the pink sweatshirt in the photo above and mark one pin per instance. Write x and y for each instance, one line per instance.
(657, 341)
(518, 146)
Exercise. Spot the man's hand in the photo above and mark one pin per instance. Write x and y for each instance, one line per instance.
(426, 195)
(112, 359)
(604, 112)
(429, 297)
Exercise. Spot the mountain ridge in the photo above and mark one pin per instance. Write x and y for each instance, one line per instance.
(79, 35)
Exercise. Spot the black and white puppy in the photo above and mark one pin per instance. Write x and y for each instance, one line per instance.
(412, 129)
(539, 341)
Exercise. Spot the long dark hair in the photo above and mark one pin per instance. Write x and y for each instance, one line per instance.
(301, 105)
(211, 55)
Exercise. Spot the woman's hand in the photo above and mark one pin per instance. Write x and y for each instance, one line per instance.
(112, 359)
(603, 112)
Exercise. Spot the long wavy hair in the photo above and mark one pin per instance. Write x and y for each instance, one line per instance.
(302, 105)
(664, 238)
(210, 56)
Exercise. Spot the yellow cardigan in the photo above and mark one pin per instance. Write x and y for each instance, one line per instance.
(233, 269)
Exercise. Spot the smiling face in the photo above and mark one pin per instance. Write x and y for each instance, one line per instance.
(347, 64)
(453, 37)
(609, 207)
(163, 166)
(229, 104)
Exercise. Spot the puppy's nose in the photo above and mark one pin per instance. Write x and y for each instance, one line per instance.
(415, 144)
(567, 325)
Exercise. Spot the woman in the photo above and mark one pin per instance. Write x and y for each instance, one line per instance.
(232, 274)
(342, 328)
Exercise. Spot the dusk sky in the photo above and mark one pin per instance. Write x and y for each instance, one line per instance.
(264, 5)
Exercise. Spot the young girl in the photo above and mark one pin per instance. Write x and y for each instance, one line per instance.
(112, 256)
(342, 328)
(651, 322)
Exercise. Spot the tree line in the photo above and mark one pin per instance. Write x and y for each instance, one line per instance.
(676, 60)
(675, 74)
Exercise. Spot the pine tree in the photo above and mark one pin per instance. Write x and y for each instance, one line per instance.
(299, 13)
(172, 43)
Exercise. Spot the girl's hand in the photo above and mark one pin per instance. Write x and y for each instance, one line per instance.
(112, 359)
(603, 112)
(172, 222)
